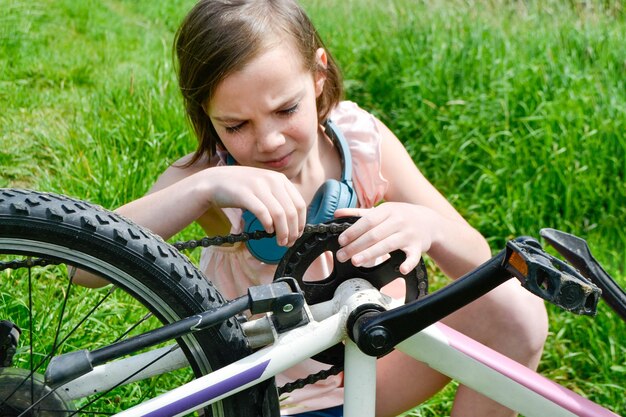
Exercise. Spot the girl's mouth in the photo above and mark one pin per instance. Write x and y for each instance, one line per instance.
(278, 163)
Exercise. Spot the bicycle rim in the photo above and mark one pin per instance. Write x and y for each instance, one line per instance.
(152, 284)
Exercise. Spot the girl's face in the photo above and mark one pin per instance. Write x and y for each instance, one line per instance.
(265, 114)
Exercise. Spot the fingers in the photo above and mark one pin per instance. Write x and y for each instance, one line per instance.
(276, 203)
(411, 261)
(286, 213)
(347, 212)
(297, 217)
(365, 249)
(379, 232)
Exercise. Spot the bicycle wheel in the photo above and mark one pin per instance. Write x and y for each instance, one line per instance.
(42, 236)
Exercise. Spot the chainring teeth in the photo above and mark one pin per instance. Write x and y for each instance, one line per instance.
(318, 239)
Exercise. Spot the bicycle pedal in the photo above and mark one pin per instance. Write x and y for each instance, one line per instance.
(9, 337)
(550, 278)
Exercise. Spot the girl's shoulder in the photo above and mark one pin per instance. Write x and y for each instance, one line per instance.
(357, 124)
(362, 132)
(187, 165)
(199, 164)
(182, 169)
(349, 113)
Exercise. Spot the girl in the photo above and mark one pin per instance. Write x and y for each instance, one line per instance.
(258, 85)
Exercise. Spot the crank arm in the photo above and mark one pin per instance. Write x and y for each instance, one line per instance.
(376, 333)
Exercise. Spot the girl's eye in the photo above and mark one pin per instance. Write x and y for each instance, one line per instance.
(233, 129)
(290, 110)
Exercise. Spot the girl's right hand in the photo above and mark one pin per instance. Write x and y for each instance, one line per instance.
(269, 195)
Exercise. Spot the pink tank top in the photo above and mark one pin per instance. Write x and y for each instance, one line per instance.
(232, 269)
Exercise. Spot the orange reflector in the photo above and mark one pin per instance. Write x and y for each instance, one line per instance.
(517, 262)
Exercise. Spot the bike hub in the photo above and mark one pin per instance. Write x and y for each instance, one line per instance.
(20, 389)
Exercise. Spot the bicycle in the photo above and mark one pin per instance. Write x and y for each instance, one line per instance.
(230, 360)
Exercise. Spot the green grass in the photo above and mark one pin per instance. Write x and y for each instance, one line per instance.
(516, 111)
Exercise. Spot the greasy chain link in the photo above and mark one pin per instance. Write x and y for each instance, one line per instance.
(320, 229)
(311, 379)
(26, 263)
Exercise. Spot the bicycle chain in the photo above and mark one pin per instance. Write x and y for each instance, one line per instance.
(26, 263)
(311, 379)
(319, 229)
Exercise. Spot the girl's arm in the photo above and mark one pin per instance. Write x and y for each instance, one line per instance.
(179, 197)
(415, 218)
(197, 193)
(183, 195)
(170, 205)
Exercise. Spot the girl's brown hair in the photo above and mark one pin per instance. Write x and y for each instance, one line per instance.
(219, 37)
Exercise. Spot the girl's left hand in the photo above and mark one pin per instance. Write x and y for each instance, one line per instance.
(384, 229)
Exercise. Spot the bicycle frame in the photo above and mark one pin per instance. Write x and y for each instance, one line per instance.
(439, 346)
(369, 323)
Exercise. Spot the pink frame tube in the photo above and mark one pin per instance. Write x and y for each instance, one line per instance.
(496, 375)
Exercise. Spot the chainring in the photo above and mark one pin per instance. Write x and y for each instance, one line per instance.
(319, 239)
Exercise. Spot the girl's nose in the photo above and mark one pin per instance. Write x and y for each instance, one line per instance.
(269, 139)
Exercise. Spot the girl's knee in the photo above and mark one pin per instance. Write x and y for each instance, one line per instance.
(532, 325)
(524, 327)
(509, 320)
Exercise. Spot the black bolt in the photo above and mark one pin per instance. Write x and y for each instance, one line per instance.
(378, 337)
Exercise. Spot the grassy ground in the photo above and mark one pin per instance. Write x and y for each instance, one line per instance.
(515, 110)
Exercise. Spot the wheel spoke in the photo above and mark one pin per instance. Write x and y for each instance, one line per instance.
(85, 317)
(61, 315)
(133, 327)
(129, 377)
(30, 324)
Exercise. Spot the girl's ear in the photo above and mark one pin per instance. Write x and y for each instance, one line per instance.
(321, 60)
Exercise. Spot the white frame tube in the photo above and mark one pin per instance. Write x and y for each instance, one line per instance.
(291, 348)
(109, 375)
(359, 383)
